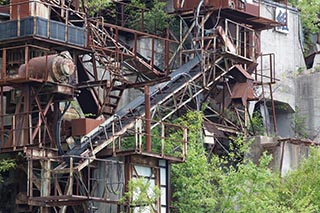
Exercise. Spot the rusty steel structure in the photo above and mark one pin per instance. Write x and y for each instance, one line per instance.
(64, 76)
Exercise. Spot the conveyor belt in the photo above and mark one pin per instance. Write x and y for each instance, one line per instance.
(136, 108)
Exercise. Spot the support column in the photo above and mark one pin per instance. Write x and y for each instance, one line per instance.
(148, 118)
(45, 182)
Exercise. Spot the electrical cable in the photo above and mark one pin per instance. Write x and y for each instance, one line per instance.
(109, 184)
(66, 107)
(207, 31)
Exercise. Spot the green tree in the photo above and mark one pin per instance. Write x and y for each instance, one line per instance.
(5, 165)
(155, 19)
(193, 191)
(249, 188)
(309, 11)
(301, 188)
(95, 6)
(200, 185)
(141, 195)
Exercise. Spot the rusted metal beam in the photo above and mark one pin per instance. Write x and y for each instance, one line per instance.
(43, 113)
(148, 118)
(273, 110)
(44, 118)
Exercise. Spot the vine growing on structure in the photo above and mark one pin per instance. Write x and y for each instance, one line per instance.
(298, 124)
(309, 12)
(141, 195)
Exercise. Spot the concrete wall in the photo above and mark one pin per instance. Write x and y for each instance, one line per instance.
(284, 124)
(286, 155)
(287, 47)
(308, 94)
(288, 50)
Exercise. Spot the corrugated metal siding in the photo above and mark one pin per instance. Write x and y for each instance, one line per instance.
(42, 30)
(57, 31)
(8, 30)
(26, 27)
(76, 35)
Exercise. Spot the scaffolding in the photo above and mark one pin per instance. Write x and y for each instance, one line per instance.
(59, 65)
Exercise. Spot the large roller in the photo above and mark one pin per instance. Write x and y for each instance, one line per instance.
(56, 68)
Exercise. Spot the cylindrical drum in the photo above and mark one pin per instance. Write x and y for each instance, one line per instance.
(56, 68)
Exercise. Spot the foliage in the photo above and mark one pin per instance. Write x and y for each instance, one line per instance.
(191, 180)
(200, 185)
(96, 5)
(173, 141)
(256, 124)
(299, 124)
(4, 2)
(141, 194)
(154, 20)
(309, 11)
(5, 165)
(135, 14)
(301, 188)
(249, 188)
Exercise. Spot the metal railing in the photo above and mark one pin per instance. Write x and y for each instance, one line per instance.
(240, 40)
(265, 72)
(168, 140)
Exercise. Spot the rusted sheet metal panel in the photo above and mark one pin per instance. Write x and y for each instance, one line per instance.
(18, 9)
(186, 5)
(240, 74)
(22, 9)
(243, 91)
(192, 4)
(5, 10)
(221, 3)
(252, 9)
(83, 126)
(211, 127)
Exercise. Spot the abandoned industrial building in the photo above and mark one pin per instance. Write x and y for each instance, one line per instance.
(88, 99)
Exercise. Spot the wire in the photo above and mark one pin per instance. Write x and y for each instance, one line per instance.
(207, 31)
(109, 177)
(66, 107)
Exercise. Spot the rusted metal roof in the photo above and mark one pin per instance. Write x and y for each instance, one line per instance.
(240, 74)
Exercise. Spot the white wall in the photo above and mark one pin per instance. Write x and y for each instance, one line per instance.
(288, 52)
